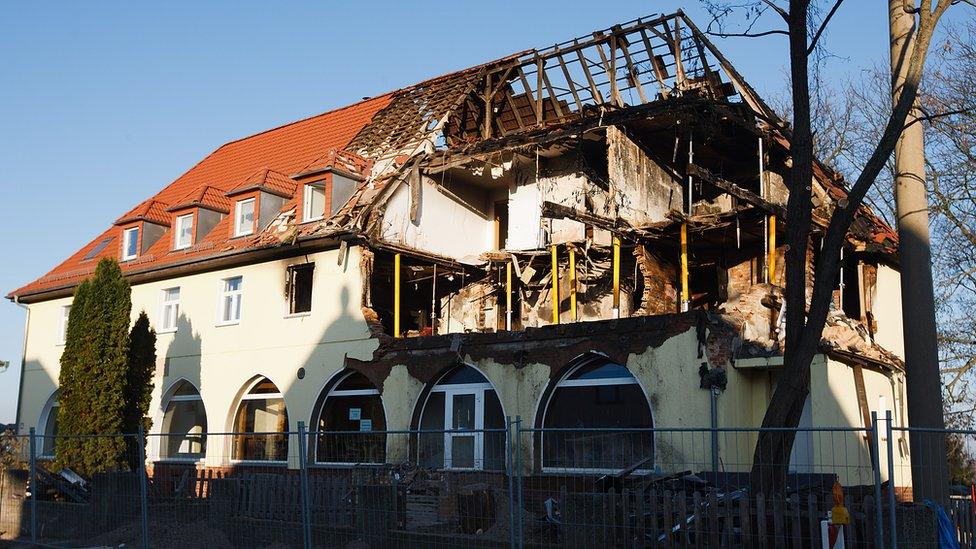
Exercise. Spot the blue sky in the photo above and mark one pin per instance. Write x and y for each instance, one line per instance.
(104, 103)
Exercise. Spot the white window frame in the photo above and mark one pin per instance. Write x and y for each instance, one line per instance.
(178, 233)
(307, 214)
(164, 305)
(478, 434)
(233, 294)
(63, 324)
(238, 219)
(126, 234)
(163, 435)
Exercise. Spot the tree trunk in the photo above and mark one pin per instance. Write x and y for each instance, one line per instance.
(922, 380)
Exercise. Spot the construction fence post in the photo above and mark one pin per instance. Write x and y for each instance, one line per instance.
(892, 504)
(517, 448)
(33, 486)
(876, 466)
(510, 470)
(143, 488)
(303, 486)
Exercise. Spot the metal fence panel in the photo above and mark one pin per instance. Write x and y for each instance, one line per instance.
(515, 487)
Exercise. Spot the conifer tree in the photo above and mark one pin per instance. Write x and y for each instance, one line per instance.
(94, 374)
(139, 383)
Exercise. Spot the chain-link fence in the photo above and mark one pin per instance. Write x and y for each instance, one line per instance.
(512, 487)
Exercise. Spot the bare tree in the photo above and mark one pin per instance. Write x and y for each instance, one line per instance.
(804, 27)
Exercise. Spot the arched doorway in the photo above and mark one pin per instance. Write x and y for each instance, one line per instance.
(350, 422)
(462, 423)
(261, 424)
(597, 417)
(183, 432)
(49, 425)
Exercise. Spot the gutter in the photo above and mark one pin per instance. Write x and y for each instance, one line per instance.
(23, 361)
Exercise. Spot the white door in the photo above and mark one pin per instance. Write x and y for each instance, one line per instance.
(464, 416)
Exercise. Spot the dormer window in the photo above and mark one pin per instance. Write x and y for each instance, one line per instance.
(130, 244)
(183, 236)
(314, 202)
(244, 217)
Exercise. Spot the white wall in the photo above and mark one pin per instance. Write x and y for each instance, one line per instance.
(220, 360)
(887, 310)
(444, 225)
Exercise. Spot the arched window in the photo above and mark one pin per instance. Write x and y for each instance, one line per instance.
(261, 424)
(49, 422)
(589, 412)
(465, 423)
(347, 422)
(184, 428)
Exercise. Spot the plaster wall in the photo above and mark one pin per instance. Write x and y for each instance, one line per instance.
(220, 360)
(887, 310)
(444, 226)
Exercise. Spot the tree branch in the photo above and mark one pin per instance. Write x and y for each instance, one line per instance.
(823, 26)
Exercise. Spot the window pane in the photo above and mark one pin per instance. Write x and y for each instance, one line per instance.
(594, 407)
(301, 288)
(463, 412)
(314, 202)
(263, 425)
(184, 228)
(464, 374)
(462, 451)
(432, 444)
(245, 217)
(232, 284)
(185, 424)
(603, 371)
(50, 431)
(131, 243)
(352, 415)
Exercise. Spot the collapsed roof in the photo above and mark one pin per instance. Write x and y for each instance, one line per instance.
(644, 72)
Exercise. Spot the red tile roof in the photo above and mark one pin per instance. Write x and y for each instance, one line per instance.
(149, 210)
(207, 197)
(268, 180)
(282, 150)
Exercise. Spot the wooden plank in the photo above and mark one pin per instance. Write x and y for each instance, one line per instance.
(668, 518)
(540, 109)
(655, 526)
(676, 50)
(745, 521)
(662, 87)
(698, 511)
(594, 90)
(712, 524)
(633, 71)
(528, 91)
(761, 528)
(552, 95)
(779, 528)
(735, 190)
(796, 520)
(514, 107)
(862, 398)
(681, 521)
(813, 520)
(640, 508)
(569, 82)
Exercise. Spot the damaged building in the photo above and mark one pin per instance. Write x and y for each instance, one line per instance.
(581, 236)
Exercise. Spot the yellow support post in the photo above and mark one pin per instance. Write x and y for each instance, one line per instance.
(616, 277)
(772, 249)
(555, 286)
(572, 283)
(396, 295)
(508, 295)
(685, 291)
